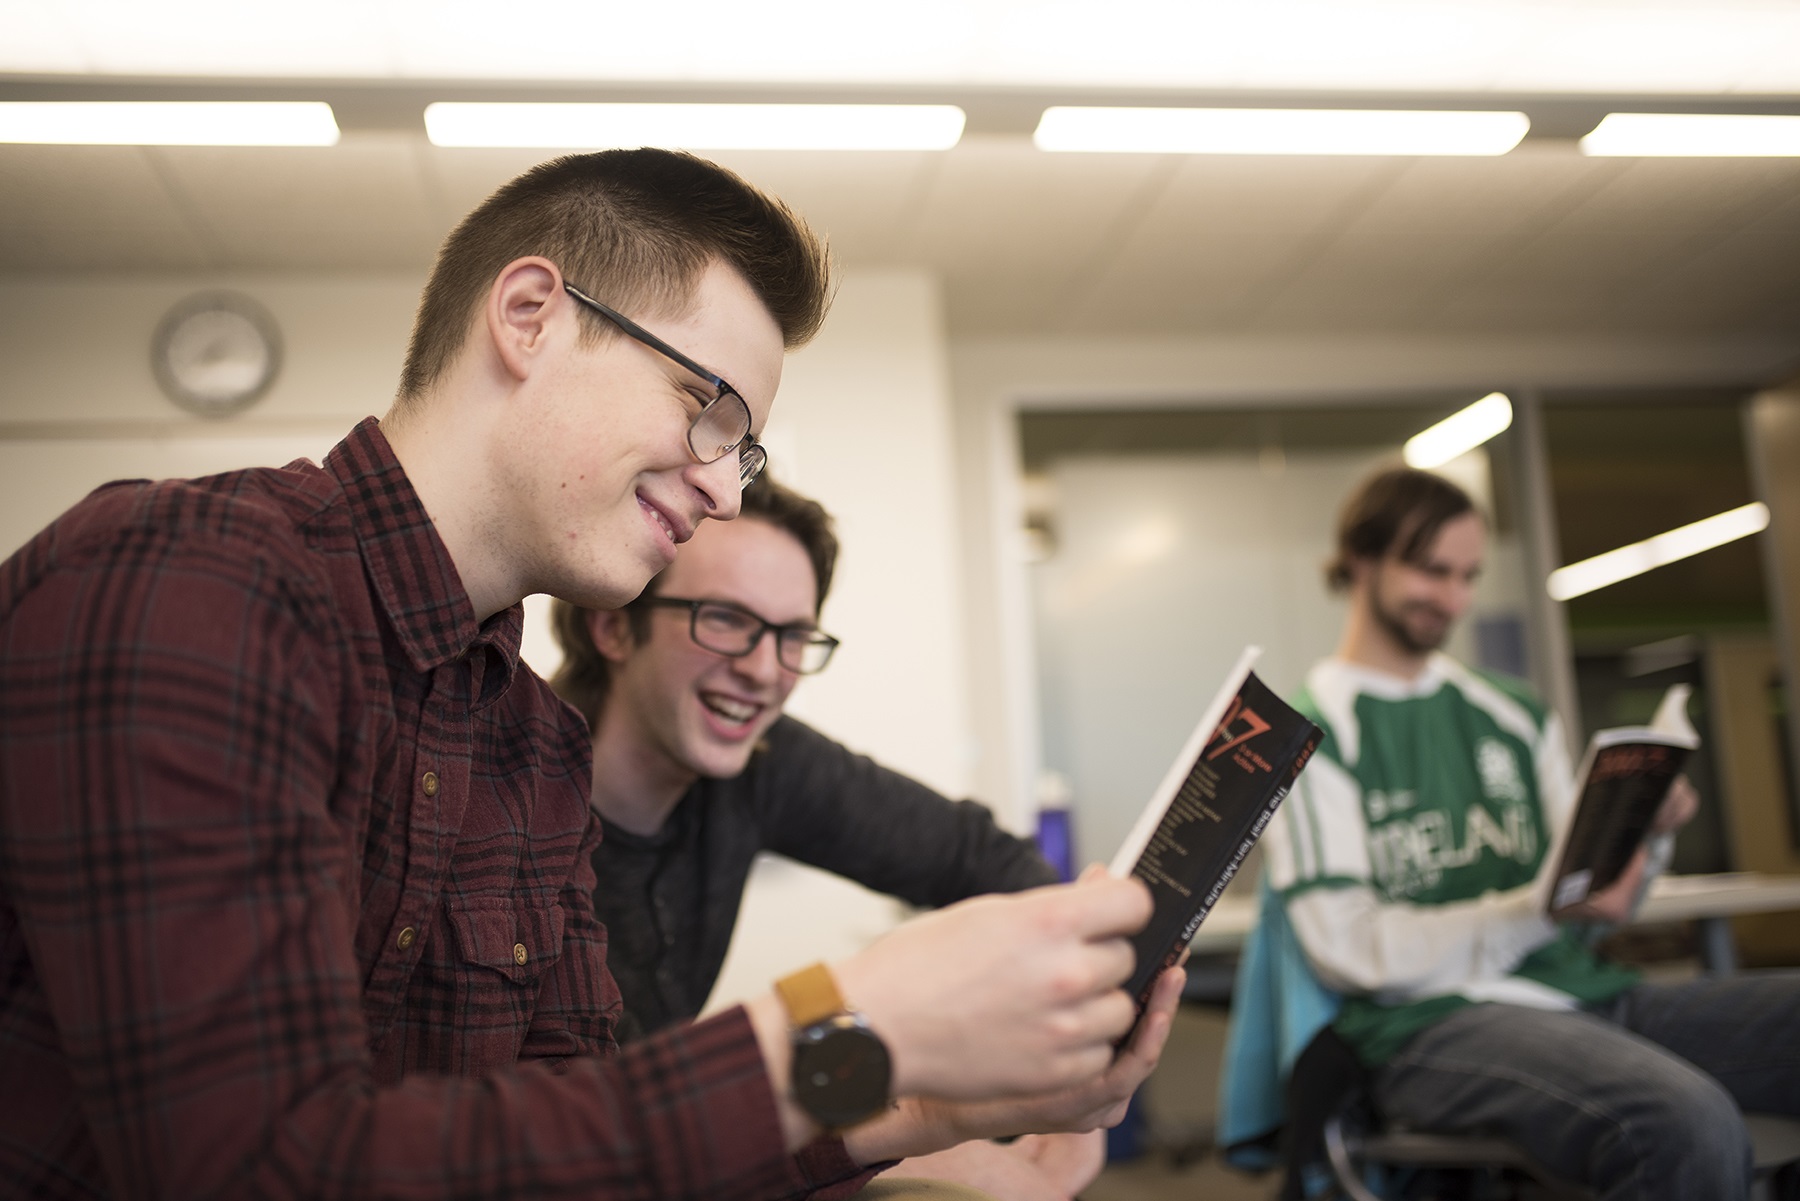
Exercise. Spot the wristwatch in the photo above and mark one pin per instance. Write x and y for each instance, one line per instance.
(841, 1070)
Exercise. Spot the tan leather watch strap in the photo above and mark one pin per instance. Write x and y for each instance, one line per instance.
(811, 995)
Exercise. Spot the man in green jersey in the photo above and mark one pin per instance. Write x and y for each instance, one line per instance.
(1412, 859)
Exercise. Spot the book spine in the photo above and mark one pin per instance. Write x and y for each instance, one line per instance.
(1299, 750)
(1263, 818)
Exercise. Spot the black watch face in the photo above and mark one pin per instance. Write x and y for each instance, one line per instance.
(841, 1072)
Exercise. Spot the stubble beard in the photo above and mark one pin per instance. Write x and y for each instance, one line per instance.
(1394, 622)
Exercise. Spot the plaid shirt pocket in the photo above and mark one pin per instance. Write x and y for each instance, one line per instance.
(515, 938)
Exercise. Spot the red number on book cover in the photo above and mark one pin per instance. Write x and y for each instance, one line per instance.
(1253, 725)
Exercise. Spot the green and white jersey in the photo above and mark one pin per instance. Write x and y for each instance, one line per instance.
(1412, 851)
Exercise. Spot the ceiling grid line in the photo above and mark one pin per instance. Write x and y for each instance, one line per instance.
(1753, 210)
(1532, 228)
(1084, 274)
(210, 243)
(907, 240)
(1267, 291)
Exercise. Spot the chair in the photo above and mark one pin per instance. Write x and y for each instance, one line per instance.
(1294, 1096)
(1334, 1121)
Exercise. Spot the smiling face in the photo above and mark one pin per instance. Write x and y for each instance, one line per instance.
(595, 484)
(701, 713)
(1414, 604)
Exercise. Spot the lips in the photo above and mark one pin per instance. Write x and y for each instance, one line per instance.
(729, 708)
(671, 524)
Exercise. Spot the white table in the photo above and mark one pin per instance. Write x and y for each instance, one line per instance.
(1709, 900)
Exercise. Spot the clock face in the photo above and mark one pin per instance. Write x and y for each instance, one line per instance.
(216, 353)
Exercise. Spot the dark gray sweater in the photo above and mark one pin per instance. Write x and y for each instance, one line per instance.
(670, 900)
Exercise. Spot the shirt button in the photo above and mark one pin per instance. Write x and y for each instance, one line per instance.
(407, 937)
(519, 955)
(429, 783)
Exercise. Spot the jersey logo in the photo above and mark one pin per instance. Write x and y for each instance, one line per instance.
(1499, 769)
(1384, 804)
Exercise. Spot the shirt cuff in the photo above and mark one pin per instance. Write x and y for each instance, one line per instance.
(829, 1172)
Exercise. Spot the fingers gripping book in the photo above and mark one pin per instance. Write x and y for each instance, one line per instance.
(1209, 810)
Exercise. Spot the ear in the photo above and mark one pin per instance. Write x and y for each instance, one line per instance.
(1361, 568)
(523, 306)
(611, 631)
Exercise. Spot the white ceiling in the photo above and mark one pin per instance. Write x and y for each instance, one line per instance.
(1541, 241)
(1664, 46)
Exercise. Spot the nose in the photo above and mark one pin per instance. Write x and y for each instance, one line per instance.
(717, 483)
(763, 663)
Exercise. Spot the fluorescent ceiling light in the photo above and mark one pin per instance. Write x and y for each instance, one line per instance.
(1278, 131)
(698, 126)
(169, 122)
(1694, 135)
(1459, 433)
(1580, 578)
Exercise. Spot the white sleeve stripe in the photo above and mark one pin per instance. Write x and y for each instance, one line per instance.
(1342, 834)
(1326, 826)
(1335, 695)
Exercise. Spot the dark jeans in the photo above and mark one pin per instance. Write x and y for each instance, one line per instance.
(1639, 1099)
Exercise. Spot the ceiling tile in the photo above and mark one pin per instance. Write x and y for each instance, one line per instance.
(1220, 237)
(1433, 230)
(90, 207)
(865, 202)
(1651, 214)
(359, 204)
(458, 178)
(1011, 229)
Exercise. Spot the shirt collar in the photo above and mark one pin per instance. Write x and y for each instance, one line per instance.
(1390, 687)
(410, 567)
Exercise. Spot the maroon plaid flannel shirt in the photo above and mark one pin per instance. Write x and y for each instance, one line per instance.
(295, 876)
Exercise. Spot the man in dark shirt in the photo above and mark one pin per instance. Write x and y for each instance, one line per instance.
(296, 857)
(696, 770)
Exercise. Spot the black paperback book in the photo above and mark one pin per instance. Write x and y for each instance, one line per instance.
(1623, 781)
(1210, 809)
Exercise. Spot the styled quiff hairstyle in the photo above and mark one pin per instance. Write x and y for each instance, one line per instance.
(634, 228)
(585, 676)
(1396, 512)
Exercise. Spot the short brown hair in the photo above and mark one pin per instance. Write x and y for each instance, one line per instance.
(636, 228)
(1395, 512)
(584, 677)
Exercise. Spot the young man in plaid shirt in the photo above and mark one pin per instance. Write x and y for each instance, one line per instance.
(295, 854)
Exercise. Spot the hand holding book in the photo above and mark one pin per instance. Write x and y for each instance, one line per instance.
(1629, 787)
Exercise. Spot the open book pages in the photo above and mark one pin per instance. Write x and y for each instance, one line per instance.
(1209, 810)
(1625, 776)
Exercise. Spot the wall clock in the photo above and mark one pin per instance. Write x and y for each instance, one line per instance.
(216, 353)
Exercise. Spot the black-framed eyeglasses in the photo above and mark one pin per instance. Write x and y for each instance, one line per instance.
(723, 423)
(734, 631)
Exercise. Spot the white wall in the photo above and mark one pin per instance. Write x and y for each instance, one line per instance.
(862, 423)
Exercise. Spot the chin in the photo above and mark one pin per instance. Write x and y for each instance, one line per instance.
(722, 763)
(724, 771)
